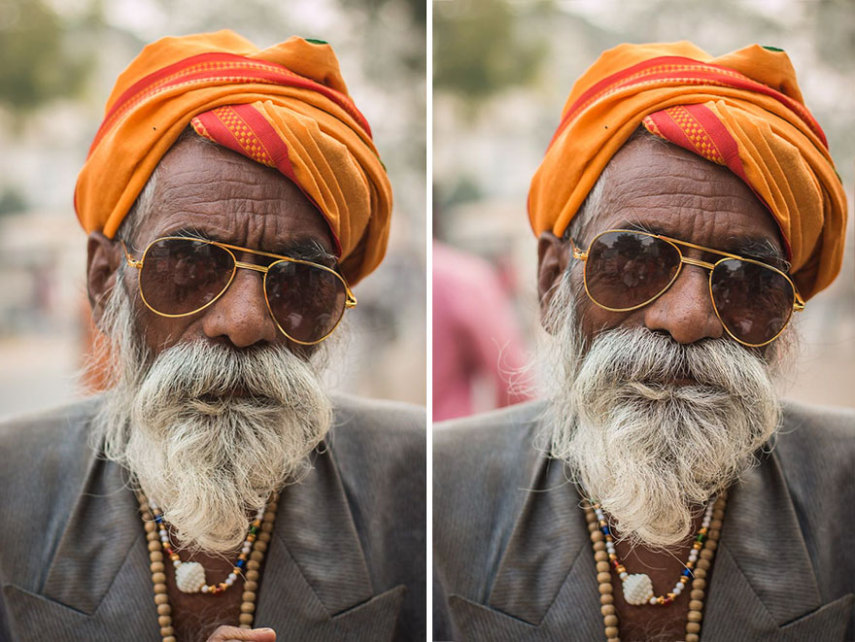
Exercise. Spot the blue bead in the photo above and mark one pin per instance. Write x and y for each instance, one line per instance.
(605, 530)
(687, 572)
(241, 563)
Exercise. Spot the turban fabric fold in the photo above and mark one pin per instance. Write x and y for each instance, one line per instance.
(743, 110)
(286, 107)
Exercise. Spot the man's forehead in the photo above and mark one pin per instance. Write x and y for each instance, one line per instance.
(658, 187)
(218, 194)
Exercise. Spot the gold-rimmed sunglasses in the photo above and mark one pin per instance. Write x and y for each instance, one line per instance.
(628, 269)
(181, 275)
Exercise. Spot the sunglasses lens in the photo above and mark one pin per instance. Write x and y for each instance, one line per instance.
(754, 302)
(180, 276)
(625, 270)
(306, 300)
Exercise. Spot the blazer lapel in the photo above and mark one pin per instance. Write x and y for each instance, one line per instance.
(763, 585)
(316, 584)
(545, 587)
(99, 568)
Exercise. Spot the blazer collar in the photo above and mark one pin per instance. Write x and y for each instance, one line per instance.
(315, 576)
(763, 584)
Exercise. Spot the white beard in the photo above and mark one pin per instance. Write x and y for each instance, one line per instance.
(207, 431)
(649, 450)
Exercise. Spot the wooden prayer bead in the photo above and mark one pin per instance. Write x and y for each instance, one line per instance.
(606, 598)
(156, 567)
(245, 618)
(693, 627)
(612, 632)
(164, 609)
(694, 616)
(164, 620)
(247, 607)
(610, 620)
(692, 637)
(159, 577)
(603, 567)
(604, 577)
(607, 609)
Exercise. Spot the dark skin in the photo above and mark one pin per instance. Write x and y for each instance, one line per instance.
(224, 197)
(668, 190)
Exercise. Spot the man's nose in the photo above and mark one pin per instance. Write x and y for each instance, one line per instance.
(241, 315)
(686, 310)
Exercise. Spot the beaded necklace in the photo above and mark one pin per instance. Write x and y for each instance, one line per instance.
(190, 576)
(254, 545)
(638, 588)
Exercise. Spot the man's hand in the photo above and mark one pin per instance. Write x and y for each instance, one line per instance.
(230, 633)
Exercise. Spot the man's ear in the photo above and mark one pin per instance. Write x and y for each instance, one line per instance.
(552, 258)
(102, 264)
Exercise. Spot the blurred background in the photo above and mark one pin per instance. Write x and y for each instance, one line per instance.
(502, 71)
(58, 62)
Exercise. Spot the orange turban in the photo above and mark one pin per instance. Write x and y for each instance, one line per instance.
(743, 110)
(285, 107)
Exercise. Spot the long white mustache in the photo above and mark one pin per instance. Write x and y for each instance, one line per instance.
(651, 428)
(206, 430)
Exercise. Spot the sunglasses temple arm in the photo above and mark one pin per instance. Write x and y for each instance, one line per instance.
(131, 260)
(577, 253)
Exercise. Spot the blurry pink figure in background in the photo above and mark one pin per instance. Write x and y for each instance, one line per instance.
(476, 335)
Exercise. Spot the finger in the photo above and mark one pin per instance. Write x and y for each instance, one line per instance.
(235, 634)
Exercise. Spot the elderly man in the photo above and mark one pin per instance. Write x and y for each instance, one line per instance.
(686, 208)
(231, 196)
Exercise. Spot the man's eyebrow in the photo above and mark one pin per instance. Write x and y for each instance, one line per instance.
(307, 249)
(751, 247)
(759, 249)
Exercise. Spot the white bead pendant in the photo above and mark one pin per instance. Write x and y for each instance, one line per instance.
(637, 589)
(190, 577)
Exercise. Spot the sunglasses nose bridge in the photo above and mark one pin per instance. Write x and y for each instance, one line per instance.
(685, 309)
(241, 312)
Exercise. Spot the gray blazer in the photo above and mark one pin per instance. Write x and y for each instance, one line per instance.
(346, 560)
(513, 560)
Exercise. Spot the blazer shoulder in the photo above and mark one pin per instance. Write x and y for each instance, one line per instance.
(371, 433)
(45, 448)
(498, 439)
(812, 436)
(815, 447)
(382, 416)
